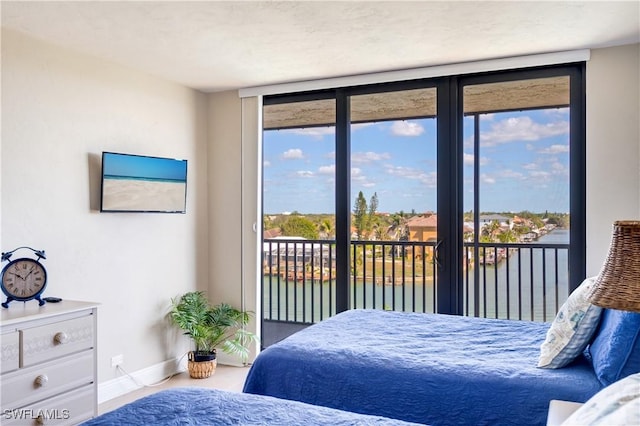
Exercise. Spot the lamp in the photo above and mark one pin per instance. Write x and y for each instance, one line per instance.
(618, 284)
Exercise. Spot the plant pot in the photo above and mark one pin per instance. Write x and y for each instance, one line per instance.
(201, 364)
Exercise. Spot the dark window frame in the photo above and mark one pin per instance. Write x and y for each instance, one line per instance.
(450, 170)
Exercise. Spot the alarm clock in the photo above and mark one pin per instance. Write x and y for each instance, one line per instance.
(23, 279)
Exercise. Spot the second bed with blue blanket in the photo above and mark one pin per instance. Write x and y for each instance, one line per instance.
(213, 407)
(423, 368)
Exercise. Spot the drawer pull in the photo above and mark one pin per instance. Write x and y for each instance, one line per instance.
(41, 380)
(61, 338)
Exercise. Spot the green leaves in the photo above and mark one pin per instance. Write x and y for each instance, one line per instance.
(298, 226)
(211, 327)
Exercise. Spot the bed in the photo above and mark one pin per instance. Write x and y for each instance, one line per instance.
(424, 368)
(206, 406)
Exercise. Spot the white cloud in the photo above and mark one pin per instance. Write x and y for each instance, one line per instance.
(293, 154)
(327, 170)
(555, 149)
(304, 173)
(541, 175)
(359, 179)
(314, 132)
(266, 163)
(521, 129)
(406, 128)
(559, 169)
(487, 179)
(429, 179)
(510, 174)
(369, 157)
(468, 159)
(530, 166)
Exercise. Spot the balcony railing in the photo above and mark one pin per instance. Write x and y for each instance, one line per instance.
(515, 281)
(522, 281)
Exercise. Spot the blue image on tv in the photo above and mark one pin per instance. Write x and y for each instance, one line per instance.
(137, 183)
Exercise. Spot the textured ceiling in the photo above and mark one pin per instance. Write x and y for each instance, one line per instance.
(220, 45)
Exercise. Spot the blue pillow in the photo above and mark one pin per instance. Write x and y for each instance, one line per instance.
(615, 351)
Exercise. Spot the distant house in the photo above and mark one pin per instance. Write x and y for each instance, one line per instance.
(423, 228)
(521, 223)
(468, 231)
(503, 221)
(272, 233)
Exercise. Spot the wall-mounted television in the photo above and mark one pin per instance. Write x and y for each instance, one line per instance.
(139, 183)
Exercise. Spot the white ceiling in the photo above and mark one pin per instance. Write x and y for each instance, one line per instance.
(220, 45)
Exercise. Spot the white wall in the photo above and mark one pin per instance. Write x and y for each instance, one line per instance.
(613, 145)
(60, 110)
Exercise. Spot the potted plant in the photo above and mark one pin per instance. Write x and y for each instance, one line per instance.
(210, 327)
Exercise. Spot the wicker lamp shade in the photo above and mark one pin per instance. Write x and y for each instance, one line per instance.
(618, 285)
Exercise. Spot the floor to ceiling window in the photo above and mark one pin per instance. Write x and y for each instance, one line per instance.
(461, 195)
(393, 198)
(517, 193)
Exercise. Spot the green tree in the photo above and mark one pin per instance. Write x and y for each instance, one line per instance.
(326, 227)
(266, 222)
(397, 228)
(298, 226)
(373, 205)
(508, 236)
(491, 230)
(360, 215)
(372, 223)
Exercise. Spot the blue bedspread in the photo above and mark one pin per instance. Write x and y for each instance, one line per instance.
(423, 368)
(211, 407)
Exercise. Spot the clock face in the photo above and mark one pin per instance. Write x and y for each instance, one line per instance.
(23, 279)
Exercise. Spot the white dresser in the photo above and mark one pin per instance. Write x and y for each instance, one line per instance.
(48, 363)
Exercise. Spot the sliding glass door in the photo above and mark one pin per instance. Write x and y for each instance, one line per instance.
(519, 187)
(460, 195)
(299, 194)
(393, 199)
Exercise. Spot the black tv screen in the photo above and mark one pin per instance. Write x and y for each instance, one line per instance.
(138, 183)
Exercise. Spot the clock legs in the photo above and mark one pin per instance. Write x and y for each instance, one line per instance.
(11, 299)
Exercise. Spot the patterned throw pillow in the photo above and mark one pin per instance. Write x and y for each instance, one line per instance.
(571, 330)
(617, 404)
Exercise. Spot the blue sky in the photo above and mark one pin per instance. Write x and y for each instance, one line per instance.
(144, 167)
(524, 164)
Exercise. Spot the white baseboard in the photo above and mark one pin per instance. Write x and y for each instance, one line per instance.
(135, 380)
(129, 382)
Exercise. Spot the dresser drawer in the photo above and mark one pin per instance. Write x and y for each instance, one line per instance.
(10, 351)
(36, 383)
(54, 340)
(67, 409)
